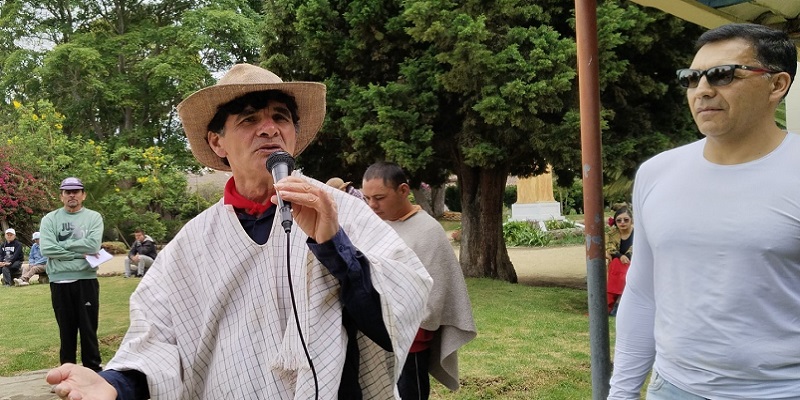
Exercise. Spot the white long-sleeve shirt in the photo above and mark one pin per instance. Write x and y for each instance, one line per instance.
(713, 295)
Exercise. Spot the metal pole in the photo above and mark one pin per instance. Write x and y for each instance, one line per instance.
(588, 76)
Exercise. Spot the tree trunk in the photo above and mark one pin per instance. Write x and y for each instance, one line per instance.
(483, 250)
(422, 200)
(431, 200)
(437, 200)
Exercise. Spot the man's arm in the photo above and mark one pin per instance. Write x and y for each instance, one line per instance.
(635, 350)
(36, 258)
(360, 299)
(73, 380)
(147, 248)
(130, 385)
(49, 245)
(134, 250)
(77, 382)
(90, 243)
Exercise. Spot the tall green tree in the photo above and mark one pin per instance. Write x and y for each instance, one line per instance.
(131, 187)
(117, 69)
(484, 90)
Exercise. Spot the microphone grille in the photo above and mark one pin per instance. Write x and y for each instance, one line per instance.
(280, 157)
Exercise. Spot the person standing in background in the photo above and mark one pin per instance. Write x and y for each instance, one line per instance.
(68, 235)
(448, 323)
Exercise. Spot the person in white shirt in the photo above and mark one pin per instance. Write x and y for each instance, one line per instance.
(236, 307)
(712, 302)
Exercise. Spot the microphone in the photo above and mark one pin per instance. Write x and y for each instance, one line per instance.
(280, 164)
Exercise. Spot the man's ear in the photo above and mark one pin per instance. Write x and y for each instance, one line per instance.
(404, 189)
(214, 141)
(780, 85)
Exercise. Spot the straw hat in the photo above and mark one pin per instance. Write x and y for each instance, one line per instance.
(338, 183)
(197, 110)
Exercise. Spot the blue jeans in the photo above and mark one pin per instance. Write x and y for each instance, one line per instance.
(660, 389)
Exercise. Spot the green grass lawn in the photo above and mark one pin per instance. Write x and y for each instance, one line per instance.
(31, 324)
(533, 342)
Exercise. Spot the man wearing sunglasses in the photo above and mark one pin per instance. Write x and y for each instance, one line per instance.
(712, 297)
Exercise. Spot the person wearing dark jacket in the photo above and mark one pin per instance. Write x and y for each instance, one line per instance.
(11, 257)
(142, 254)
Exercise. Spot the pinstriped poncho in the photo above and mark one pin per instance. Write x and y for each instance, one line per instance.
(212, 319)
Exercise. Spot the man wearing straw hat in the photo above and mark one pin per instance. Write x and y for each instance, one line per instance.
(327, 312)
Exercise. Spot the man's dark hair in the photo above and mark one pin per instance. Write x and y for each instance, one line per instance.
(391, 174)
(773, 48)
(256, 100)
(138, 231)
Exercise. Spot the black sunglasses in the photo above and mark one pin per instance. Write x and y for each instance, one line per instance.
(720, 75)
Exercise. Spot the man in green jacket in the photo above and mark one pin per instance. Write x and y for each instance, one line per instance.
(68, 235)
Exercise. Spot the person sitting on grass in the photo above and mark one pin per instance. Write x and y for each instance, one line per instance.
(37, 263)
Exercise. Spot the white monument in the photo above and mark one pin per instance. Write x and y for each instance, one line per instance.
(535, 201)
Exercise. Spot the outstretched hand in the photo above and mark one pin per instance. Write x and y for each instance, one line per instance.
(74, 382)
(313, 209)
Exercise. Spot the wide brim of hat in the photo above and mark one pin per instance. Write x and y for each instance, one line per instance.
(197, 111)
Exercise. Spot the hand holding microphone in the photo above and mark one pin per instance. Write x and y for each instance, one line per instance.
(313, 208)
(280, 164)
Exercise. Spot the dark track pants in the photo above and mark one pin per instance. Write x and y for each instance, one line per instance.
(10, 272)
(414, 383)
(76, 306)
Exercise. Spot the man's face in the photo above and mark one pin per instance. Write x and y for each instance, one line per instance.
(73, 199)
(139, 236)
(10, 236)
(251, 136)
(735, 110)
(388, 203)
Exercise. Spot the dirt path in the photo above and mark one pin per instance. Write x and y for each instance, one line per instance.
(549, 266)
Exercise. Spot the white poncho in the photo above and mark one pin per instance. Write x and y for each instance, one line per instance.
(212, 319)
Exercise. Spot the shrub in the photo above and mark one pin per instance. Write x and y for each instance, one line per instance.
(553, 224)
(115, 247)
(525, 233)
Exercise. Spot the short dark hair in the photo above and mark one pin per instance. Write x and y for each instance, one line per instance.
(773, 48)
(391, 174)
(138, 230)
(255, 100)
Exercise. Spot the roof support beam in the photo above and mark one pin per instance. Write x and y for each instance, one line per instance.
(692, 11)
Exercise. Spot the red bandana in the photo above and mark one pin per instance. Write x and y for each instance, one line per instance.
(235, 199)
